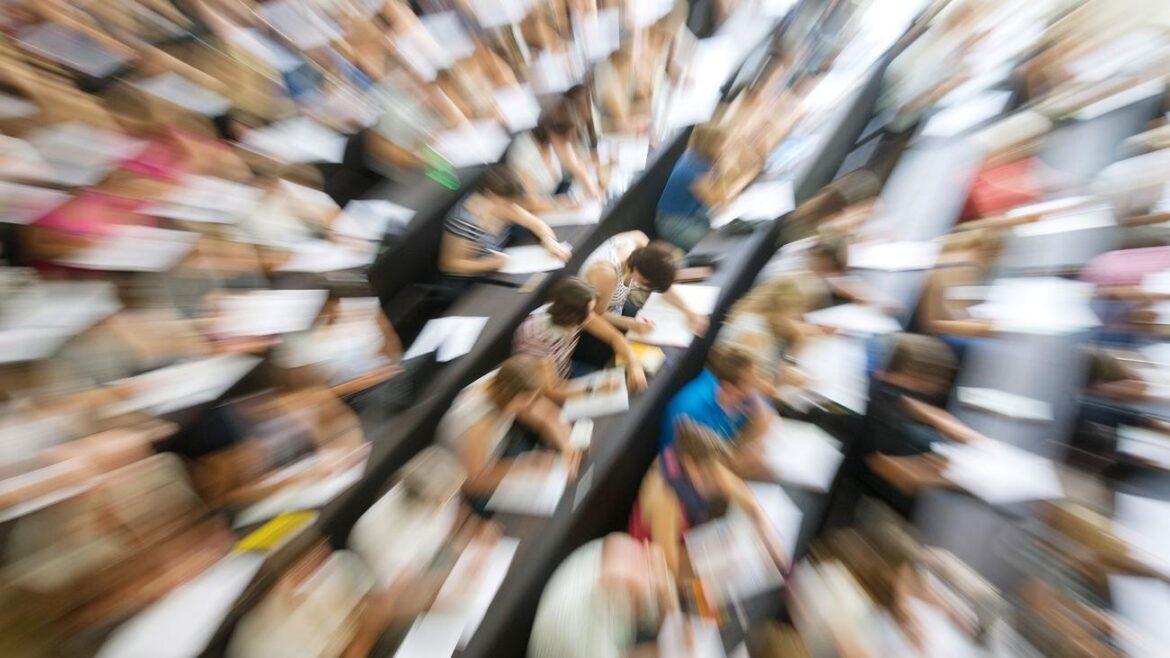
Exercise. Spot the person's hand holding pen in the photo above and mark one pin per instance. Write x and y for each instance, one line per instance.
(642, 325)
(557, 249)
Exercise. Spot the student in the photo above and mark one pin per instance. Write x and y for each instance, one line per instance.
(683, 217)
(689, 484)
(725, 398)
(544, 155)
(630, 260)
(966, 260)
(615, 86)
(599, 599)
(828, 259)
(479, 226)
(480, 422)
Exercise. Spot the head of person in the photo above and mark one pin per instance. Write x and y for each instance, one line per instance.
(572, 301)
(501, 185)
(556, 122)
(786, 298)
(708, 140)
(979, 246)
(828, 256)
(515, 385)
(919, 363)
(433, 477)
(653, 267)
(736, 370)
(700, 453)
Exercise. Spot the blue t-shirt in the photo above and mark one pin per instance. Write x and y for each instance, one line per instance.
(697, 401)
(677, 197)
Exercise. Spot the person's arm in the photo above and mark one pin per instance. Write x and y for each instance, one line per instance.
(391, 343)
(737, 492)
(697, 321)
(456, 257)
(604, 280)
(940, 316)
(517, 215)
(484, 473)
(941, 420)
(568, 157)
(545, 418)
(605, 332)
(553, 386)
(661, 512)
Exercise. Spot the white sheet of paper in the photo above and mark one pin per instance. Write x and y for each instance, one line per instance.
(72, 49)
(83, 145)
(702, 640)
(730, 559)
(764, 200)
(599, 403)
(478, 142)
(1005, 404)
(854, 319)
(476, 577)
(599, 34)
(519, 106)
(208, 199)
(269, 312)
(14, 107)
(324, 256)
(802, 454)
(182, 623)
(431, 636)
(1121, 99)
(451, 337)
(265, 49)
(626, 152)
(531, 492)
(783, 514)
(835, 367)
(1081, 219)
(893, 256)
(958, 119)
(1144, 605)
(21, 204)
(587, 214)
(368, 220)
(999, 473)
(1157, 283)
(551, 73)
(1144, 523)
(307, 29)
(299, 139)
(498, 13)
(529, 259)
(447, 30)
(134, 249)
(1040, 305)
(299, 498)
(176, 89)
(671, 328)
(184, 385)
(647, 12)
(698, 297)
(1145, 444)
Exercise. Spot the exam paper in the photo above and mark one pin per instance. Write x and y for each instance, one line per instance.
(184, 385)
(14, 107)
(599, 403)
(526, 490)
(305, 28)
(176, 89)
(551, 73)
(369, 220)
(802, 454)
(451, 337)
(999, 473)
(469, 589)
(301, 497)
(854, 319)
(268, 312)
(700, 640)
(730, 560)
(671, 328)
(475, 143)
(586, 214)
(1005, 404)
(764, 200)
(598, 34)
(519, 106)
(893, 256)
(208, 199)
(1144, 524)
(448, 31)
(299, 139)
(1144, 605)
(70, 48)
(781, 512)
(134, 249)
(1039, 305)
(958, 119)
(324, 256)
(1145, 444)
(531, 258)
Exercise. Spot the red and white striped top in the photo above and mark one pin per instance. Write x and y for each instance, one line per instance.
(539, 338)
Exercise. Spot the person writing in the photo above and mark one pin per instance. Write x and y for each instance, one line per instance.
(690, 484)
(477, 229)
(550, 335)
(684, 212)
(544, 155)
(630, 260)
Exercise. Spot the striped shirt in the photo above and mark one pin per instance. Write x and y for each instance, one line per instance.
(612, 254)
(465, 225)
(539, 338)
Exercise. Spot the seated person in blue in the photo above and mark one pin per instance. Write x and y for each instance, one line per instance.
(726, 399)
(684, 216)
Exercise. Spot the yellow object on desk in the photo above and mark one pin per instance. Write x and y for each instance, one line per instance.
(650, 356)
(272, 534)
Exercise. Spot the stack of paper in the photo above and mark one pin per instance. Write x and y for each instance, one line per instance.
(854, 319)
(475, 143)
(519, 106)
(269, 312)
(1145, 444)
(208, 199)
(531, 491)
(530, 259)
(1041, 305)
(671, 328)
(473, 582)
(134, 249)
(451, 336)
(893, 256)
(762, 201)
(1005, 404)
(614, 399)
(693, 637)
(586, 214)
(999, 473)
(802, 455)
(369, 220)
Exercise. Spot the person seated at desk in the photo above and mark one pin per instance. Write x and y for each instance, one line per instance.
(550, 335)
(769, 322)
(726, 399)
(690, 484)
(479, 426)
(477, 229)
(684, 213)
(600, 597)
(615, 87)
(828, 259)
(965, 262)
(630, 260)
(544, 155)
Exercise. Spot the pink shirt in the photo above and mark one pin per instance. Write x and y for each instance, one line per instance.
(1126, 267)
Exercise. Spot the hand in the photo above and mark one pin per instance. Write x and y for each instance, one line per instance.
(698, 323)
(497, 260)
(557, 249)
(642, 325)
(635, 378)
(573, 461)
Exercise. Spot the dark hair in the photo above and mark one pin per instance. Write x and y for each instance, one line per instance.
(729, 363)
(553, 121)
(916, 354)
(516, 376)
(570, 301)
(655, 262)
(834, 250)
(501, 181)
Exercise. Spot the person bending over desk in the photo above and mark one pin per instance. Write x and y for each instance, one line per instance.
(479, 425)
(690, 484)
(726, 399)
(684, 213)
(600, 598)
(630, 260)
(544, 155)
(478, 227)
(550, 335)
(966, 260)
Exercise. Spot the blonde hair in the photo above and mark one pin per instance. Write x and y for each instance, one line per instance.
(708, 139)
(779, 299)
